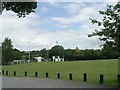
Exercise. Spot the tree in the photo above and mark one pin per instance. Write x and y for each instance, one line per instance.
(21, 8)
(34, 53)
(43, 53)
(7, 51)
(110, 27)
(17, 54)
(57, 51)
(70, 54)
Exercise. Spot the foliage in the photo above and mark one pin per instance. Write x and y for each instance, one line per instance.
(7, 51)
(72, 55)
(57, 50)
(17, 54)
(25, 55)
(21, 8)
(68, 54)
(110, 27)
(44, 53)
(90, 54)
(34, 54)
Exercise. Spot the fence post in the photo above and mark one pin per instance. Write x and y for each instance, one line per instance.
(25, 73)
(36, 74)
(101, 78)
(14, 73)
(70, 76)
(46, 74)
(85, 77)
(2, 71)
(58, 75)
(118, 78)
(6, 72)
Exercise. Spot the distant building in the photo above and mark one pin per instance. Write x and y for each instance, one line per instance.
(40, 59)
(57, 58)
(18, 61)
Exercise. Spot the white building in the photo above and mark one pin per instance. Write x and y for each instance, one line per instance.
(18, 61)
(57, 58)
(39, 59)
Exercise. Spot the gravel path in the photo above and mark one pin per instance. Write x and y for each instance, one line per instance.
(28, 82)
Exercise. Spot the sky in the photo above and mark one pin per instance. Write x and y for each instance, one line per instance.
(66, 22)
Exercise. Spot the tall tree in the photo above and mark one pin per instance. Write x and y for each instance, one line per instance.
(20, 8)
(57, 50)
(7, 51)
(17, 54)
(110, 27)
(43, 53)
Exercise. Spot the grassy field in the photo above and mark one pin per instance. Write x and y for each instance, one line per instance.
(93, 68)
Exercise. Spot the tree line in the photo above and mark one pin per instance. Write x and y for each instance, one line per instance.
(9, 53)
(74, 54)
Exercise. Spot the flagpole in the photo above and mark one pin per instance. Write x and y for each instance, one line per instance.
(29, 50)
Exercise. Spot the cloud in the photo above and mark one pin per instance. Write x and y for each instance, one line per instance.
(18, 29)
(23, 30)
(83, 15)
(73, 8)
(71, 39)
(56, 4)
(44, 9)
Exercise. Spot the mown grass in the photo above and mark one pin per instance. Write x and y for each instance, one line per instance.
(93, 68)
